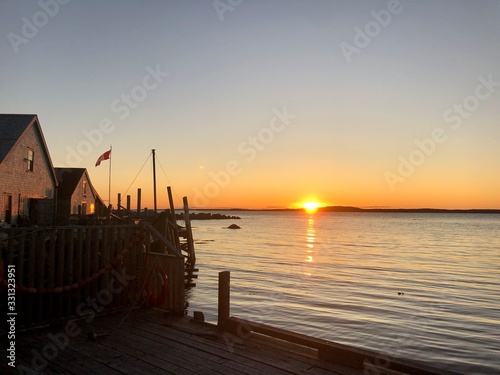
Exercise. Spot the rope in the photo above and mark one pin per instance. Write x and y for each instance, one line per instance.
(137, 175)
(168, 180)
(21, 234)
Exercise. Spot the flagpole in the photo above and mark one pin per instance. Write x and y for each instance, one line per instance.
(109, 182)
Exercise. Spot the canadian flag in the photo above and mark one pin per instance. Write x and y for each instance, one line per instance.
(104, 156)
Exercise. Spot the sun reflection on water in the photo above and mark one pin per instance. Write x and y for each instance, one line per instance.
(310, 240)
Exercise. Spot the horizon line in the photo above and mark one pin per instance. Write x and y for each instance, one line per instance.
(348, 209)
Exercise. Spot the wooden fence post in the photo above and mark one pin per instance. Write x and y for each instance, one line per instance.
(224, 289)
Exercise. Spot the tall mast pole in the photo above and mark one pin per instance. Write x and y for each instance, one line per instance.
(154, 178)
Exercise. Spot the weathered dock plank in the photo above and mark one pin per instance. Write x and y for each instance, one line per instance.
(262, 358)
(205, 361)
(28, 362)
(150, 352)
(182, 352)
(197, 349)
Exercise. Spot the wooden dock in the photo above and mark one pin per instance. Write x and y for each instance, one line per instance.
(152, 342)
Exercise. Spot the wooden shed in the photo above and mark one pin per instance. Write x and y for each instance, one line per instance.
(76, 196)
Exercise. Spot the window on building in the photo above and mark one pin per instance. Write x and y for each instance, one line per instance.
(31, 159)
(84, 188)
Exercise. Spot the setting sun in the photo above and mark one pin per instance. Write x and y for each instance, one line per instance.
(310, 206)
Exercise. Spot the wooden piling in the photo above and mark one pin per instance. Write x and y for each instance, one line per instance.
(189, 233)
(139, 202)
(224, 300)
(119, 203)
(173, 221)
(171, 201)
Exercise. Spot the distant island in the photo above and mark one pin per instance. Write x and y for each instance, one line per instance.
(409, 210)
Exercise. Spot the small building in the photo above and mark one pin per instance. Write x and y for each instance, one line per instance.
(27, 178)
(76, 196)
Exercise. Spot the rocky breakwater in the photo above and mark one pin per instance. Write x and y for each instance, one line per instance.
(207, 216)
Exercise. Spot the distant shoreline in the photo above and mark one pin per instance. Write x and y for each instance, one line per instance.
(357, 209)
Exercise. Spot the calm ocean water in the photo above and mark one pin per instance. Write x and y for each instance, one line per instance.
(338, 276)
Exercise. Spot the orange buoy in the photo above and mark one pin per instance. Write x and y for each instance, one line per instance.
(157, 288)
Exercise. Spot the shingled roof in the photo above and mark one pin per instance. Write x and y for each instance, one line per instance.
(68, 179)
(11, 129)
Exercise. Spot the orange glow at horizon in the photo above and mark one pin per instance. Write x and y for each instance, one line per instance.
(311, 206)
(263, 191)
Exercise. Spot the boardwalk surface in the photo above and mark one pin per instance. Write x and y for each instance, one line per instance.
(150, 342)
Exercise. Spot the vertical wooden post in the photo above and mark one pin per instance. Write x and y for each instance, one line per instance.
(70, 272)
(60, 271)
(173, 220)
(32, 260)
(40, 273)
(51, 274)
(20, 273)
(128, 203)
(87, 259)
(171, 202)
(119, 204)
(139, 202)
(224, 289)
(190, 243)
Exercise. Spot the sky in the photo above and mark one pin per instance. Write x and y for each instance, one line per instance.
(265, 103)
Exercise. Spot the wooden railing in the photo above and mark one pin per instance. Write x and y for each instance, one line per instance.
(80, 271)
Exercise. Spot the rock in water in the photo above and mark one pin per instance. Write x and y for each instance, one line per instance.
(233, 226)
